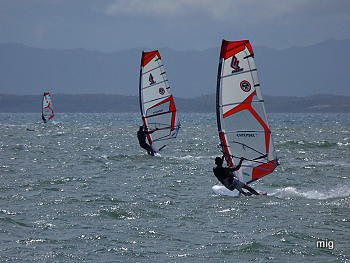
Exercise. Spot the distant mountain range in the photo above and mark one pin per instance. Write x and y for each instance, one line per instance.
(95, 103)
(298, 71)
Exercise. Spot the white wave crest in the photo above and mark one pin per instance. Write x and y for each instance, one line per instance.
(292, 192)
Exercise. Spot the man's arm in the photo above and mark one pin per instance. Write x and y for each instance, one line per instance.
(149, 132)
(238, 166)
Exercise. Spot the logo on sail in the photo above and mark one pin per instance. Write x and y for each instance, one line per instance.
(247, 135)
(234, 65)
(161, 91)
(246, 174)
(151, 80)
(245, 86)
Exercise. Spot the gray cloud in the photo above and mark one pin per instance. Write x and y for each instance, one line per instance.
(182, 24)
(228, 9)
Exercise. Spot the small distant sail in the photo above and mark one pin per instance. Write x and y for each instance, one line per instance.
(241, 117)
(47, 109)
(157, 104)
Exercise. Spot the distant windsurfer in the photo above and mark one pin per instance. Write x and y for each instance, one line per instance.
(226, 177)
(42, 116)
(141, 135)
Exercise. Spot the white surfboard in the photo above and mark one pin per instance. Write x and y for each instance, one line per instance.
(222, 190)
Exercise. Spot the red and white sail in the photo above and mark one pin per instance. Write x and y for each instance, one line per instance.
(47, 109)
(157, 104)
(241, 117)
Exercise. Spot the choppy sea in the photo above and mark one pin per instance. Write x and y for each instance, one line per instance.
(80, 189)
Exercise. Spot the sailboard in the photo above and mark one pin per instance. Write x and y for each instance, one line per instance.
(47, 112)
(241, 117)
(157, 105)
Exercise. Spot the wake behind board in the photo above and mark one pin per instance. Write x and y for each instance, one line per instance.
(222, 190)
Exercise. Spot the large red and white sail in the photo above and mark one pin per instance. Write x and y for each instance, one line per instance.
(47, 109)
(241, 117)
(157, 104)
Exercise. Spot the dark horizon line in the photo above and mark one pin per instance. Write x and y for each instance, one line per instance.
(112, 94)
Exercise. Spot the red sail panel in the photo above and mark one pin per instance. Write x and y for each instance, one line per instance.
(148, 56)
(229, 49)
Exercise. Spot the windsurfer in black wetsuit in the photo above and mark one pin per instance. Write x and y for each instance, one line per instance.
(42, 116)
(226, 177)
(141, 135)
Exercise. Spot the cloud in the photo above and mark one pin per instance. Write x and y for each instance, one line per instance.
(41, 29)
(179, 24)
(172, 8)
(222, 10)
(145, 8)
(215, 9)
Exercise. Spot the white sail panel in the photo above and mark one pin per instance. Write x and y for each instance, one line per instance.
(242, 123)
(157, 104)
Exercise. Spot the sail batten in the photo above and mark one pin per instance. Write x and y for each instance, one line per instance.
(158, 109)
(241, 116)
(156, 99)
(147, 87)
(238, 73)
(146, 72)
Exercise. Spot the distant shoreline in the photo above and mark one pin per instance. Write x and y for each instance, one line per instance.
(98, 103)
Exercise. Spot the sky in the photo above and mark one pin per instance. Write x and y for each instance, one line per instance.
(115, 25)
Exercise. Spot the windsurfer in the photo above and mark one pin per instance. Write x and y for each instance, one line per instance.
(226, 177)
(141, 135)
(42, 116)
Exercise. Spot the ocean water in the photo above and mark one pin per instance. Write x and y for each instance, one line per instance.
(80, 189)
